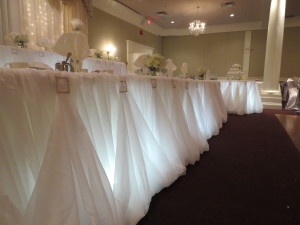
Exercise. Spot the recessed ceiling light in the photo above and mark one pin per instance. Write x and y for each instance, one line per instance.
(231, 15)
(172, 22)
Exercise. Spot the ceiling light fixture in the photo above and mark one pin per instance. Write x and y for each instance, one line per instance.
(172, 22)
(197, 27)
(231, 15)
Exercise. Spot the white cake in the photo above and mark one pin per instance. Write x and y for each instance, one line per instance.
(235, 74)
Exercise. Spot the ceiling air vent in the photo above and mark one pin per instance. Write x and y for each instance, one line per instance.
(162, 13)
(228, 4)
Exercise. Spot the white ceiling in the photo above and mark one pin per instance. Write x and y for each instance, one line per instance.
(249, 14)
(210, 11)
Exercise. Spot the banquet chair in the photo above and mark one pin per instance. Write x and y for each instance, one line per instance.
(292, 103)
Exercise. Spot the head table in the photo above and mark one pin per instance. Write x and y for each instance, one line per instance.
(93, 148)
(10, 54)
(97, 153)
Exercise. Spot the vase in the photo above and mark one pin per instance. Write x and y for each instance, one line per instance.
(152, 73)
(22, 45)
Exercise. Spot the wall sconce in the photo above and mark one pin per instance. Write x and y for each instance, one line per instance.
(110, 51)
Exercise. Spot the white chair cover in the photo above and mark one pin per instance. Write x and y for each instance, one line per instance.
(293, 95)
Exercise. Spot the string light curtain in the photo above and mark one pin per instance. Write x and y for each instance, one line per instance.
(10, 17)
(43, 19)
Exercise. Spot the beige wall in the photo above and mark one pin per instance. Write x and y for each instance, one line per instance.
(214, 51)
(257, 57)
(105, 29)
(217, 52)
(290, 53)
(290, 65)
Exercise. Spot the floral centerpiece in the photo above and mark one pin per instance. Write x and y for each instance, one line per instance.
(98, 54)
(201, 73)
(21, 40)
(45, 43)
(236, 66)
(77, 24)
(155, 63)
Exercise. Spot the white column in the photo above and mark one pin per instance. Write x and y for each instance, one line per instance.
(247, 51)
(274, 45)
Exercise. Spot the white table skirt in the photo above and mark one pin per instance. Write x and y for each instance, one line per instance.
(12, 54)
(95, 155)
(241, 97)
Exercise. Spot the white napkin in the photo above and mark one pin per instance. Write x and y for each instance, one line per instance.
(184, 69)
(170, 67)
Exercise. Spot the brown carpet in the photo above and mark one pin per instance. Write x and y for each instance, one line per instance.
(250, 176)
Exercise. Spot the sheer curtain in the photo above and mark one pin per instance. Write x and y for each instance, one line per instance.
(10, 16)
(41, 19)
(75, 9)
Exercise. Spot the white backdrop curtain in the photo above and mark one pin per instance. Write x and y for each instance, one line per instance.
(41, 19)
(10, 17)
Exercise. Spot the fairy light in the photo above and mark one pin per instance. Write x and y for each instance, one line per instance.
(39, 19)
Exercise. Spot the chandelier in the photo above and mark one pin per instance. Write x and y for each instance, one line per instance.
(197, 27)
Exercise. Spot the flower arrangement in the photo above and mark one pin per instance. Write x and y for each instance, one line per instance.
(77, 24)
(10, 38)
(155, 63)
(21, 40)
(201, 73)
(98, 54)
(236, 66)
(45, 43)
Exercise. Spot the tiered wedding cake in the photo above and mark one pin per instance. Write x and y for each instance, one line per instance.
(235, 72)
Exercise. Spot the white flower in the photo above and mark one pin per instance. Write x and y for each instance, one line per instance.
(77, 24)
(10, 38)
(46, 43)
(140, 61)
(21, 39)
(201, 71)
(98, 54)
(237, 66)
(155, 62)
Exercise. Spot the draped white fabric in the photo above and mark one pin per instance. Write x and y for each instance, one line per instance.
(97, 155)
(9, 54)
(241, 97)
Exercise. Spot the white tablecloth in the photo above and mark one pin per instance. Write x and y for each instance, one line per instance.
(241, 97)
(11, 54)
(97, 155)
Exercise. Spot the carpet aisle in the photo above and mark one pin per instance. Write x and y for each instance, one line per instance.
(250, 176)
